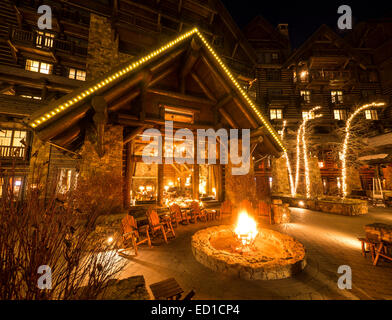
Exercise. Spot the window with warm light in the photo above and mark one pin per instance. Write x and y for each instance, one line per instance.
(12, 143)
(26, 96)
(44, 39)
(38, 66)
(340, 114)
(307, 115)
(276, 114)
(337, 97)
(371, 114)
(77, 74)
(305, 94)
(303, 75)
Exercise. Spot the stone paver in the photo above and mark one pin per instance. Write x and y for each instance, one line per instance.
(330, 241)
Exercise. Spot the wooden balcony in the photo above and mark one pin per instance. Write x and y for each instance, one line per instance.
(23, 38)
(12, 153)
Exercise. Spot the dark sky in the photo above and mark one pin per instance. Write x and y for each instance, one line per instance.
(304, 17)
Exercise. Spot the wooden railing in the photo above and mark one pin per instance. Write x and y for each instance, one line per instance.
(7, 152)
(30, 39)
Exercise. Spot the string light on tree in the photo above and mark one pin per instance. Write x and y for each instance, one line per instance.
(346, 140)
(305, 147)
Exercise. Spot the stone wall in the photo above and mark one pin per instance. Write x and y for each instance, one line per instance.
(240, 187)
(280, 177)
(316, 184)
(108, 167)
(103, 53)
(353, 179)
(39, 164)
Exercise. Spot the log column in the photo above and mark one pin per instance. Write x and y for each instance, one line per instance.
(129, 171)
(160, 184)
(196, 169)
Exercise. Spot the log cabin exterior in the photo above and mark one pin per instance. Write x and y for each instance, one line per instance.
(90, 38)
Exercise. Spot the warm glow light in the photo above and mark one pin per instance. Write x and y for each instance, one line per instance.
(346, 139)
(305, 150)
(246, 229)
(301, 203)
(110, 239)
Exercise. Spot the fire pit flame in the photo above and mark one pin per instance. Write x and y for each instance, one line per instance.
(246, 230)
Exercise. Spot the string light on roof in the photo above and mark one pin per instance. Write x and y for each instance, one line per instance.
(143, 60)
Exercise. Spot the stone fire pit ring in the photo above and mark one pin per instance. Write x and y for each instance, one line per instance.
(276, 255)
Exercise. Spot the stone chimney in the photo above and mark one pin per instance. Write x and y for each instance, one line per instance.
(283, 28)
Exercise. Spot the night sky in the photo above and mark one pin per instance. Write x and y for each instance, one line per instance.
(304, 17)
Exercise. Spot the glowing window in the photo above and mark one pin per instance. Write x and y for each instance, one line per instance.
(276, 114)
(77, 74)
(307, 115)
(38, 66)
(337, 96)
(305, 94)
(44, 39)
(371, 114)
(339, 114)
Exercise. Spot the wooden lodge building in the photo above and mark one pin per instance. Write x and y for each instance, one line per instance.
(76, 99)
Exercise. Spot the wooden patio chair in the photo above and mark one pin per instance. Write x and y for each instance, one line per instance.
(226, 208)
(197, 212)
(158, 225)
(131, 233)
(177, 215)
(381, 250)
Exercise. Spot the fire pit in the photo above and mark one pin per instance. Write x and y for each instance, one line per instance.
(248, 252)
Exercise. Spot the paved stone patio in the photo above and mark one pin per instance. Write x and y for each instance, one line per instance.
(330, 241)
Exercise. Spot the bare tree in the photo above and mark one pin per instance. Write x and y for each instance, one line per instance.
(41, 231)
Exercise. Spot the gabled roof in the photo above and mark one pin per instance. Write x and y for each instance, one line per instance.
(123, 84)
(260, 22)
(323, 30)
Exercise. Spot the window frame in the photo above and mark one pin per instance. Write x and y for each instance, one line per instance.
(76, 75)
(306, 94)
(39, 67)
(336, 98)
(276, 111)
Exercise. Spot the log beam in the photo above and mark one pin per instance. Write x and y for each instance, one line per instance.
(180, 96)
(203, 87)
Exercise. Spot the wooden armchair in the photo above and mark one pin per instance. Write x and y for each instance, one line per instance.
(157, 225)
(131, 233)
(177, 215)
(197, 212)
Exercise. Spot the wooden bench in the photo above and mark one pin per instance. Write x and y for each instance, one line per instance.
(168, 289)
